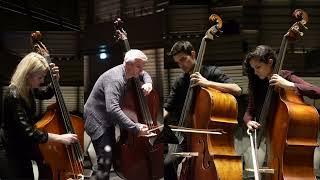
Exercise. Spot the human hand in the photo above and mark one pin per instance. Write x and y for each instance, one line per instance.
(197, 79)
(146, 88)
(253, 125)
(144, 131)
(277, 80)
(55, 71)
(68, 139)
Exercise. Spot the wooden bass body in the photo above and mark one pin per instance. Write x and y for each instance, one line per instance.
(293, 136)
(57, 155)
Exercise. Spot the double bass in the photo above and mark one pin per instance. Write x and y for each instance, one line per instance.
(65, 161)
(137, 157)
(212, 156)
(292, 129)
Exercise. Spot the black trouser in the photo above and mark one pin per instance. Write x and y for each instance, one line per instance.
(171, 165)
(104, 157)
(20, 169)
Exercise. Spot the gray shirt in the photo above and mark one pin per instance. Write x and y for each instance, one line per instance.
(102, 109)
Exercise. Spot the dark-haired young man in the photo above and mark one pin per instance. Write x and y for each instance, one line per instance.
(184, 55)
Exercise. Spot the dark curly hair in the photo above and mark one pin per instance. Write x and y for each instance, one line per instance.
(257, 87)
(261, 52)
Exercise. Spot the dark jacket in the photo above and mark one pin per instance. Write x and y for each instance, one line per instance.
(19, 120)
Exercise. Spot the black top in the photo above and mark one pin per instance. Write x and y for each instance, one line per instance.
(19, 120)
(175, 101)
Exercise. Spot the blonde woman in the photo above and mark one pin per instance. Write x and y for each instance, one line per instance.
(19, 117)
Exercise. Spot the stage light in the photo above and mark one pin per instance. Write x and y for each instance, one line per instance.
(103, 56)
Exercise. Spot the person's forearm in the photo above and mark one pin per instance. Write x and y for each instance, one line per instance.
(54, 137)
(233, 89)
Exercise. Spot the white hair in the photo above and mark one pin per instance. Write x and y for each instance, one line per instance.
(134, 54)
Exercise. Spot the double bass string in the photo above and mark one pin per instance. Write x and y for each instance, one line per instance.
(78, 164)
(65, 113)
(145, 109)
(146, 114)
(189, 97)
(73, 150)
(75, 156)
(270, 92)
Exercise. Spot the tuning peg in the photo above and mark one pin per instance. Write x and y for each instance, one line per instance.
(303, 25)
(301, 33)
(218, 33)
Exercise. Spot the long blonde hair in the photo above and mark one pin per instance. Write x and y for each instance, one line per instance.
(31, 63)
